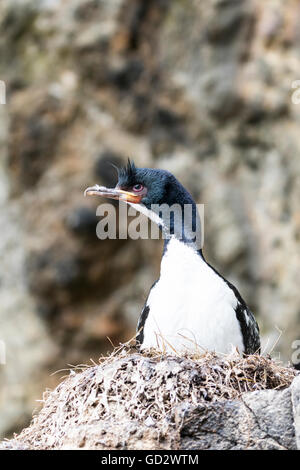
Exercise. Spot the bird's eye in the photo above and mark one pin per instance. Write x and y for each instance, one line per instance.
(137, 187)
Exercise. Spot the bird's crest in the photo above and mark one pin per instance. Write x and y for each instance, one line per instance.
(127, 171)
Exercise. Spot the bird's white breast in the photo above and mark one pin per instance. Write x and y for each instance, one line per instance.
(191, 307)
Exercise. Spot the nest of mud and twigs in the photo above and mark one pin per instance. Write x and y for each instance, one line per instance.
(129, 392)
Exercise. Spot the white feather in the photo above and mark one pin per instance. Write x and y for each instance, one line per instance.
(191, 307)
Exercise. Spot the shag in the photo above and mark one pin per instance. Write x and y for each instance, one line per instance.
(191, 307)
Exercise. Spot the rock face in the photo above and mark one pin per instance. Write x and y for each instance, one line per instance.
(261, 420)
(133, 401)
(204, 91)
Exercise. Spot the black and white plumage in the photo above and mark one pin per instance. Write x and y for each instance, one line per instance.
(191, 306)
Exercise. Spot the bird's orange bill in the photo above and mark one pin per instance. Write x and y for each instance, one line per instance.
(113, 193)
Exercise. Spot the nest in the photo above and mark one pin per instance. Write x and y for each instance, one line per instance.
(129, 394)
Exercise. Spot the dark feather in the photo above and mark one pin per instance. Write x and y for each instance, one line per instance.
(128, 171)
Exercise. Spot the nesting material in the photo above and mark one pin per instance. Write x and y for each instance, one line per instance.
(130, 393)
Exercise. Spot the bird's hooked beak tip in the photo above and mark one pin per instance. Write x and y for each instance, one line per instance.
(113, 193)
(95, 190)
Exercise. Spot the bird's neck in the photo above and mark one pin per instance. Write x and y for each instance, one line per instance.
(179, 220)
(181, 261)
(181, 246)
(184, 224)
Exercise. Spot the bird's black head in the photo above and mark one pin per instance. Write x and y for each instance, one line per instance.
(152, 186)
(156, 191)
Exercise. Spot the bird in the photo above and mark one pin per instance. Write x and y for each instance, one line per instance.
(191, 307)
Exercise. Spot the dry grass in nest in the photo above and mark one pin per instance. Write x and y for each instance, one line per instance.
(130, 390)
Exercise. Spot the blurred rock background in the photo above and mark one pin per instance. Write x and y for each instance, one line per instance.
(203, 89)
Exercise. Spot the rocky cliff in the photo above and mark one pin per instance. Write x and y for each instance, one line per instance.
(203, 89)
